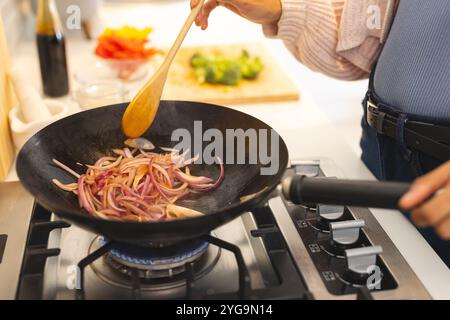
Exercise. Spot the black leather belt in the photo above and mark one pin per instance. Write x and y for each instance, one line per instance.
(431, 139)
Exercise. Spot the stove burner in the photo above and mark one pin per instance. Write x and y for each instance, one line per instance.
(144, 258)
(154, 262)
(158, 268)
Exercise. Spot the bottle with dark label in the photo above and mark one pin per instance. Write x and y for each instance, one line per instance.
(52, 50)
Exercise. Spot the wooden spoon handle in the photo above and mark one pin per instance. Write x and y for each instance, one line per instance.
(187, 25)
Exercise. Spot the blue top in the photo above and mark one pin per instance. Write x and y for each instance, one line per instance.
(413, 72)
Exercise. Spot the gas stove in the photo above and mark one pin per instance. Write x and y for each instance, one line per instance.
(275, 251)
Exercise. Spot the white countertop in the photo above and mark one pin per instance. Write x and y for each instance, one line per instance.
(308, 126)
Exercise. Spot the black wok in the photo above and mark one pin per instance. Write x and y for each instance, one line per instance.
(86, 136)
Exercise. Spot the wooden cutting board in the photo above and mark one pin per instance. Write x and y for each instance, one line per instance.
(6, 98)
(273, 84)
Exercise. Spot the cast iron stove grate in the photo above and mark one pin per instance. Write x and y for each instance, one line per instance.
(289, 287)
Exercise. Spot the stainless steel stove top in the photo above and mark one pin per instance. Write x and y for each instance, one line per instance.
(276, 251)
(102, 282)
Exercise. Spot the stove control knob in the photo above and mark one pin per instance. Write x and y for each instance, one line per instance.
(360, 262)
(307, 170)
(346, 233)
(330, 213)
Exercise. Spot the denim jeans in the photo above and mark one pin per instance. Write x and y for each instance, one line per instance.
(390, 159)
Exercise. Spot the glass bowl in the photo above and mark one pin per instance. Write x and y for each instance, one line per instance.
(100, 93)
(128, 70)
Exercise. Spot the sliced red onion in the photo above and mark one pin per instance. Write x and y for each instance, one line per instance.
(209, 187)
(140, 143)
(174, 192)
(107, 167)
(178, 212)
(119, 152)
(127, 153)
(142, 187)
(66, 168)
(84, 203)
(100, 161)
(170, 150)
(66, 187)
(111, 202)
(146, 186)
(191, 179)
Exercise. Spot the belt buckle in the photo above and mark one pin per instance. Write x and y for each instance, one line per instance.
(371, 105)
(372, 108)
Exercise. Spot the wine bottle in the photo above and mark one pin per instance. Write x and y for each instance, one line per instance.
(52, 50)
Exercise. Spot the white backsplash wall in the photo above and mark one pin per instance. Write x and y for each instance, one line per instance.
(13, 19)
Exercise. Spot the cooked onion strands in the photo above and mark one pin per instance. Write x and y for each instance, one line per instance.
(139, 186)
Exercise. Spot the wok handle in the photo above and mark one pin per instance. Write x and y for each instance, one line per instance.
(372, 194)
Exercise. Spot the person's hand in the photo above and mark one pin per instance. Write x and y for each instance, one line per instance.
(429, 200)
(265, 12)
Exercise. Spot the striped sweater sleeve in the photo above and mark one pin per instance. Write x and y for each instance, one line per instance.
(310, 29)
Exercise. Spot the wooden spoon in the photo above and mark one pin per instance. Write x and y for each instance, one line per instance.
(142, 110)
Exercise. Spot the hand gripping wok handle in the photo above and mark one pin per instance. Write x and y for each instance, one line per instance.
(372, 194)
